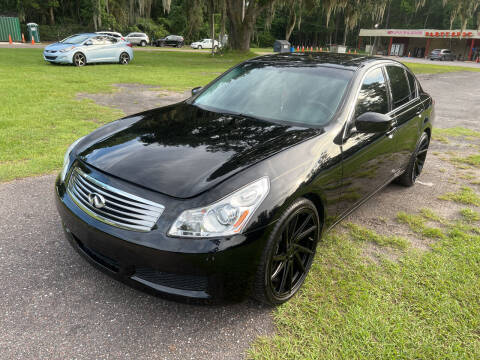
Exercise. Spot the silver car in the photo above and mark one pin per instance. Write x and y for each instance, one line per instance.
(137, 38)
(81, 49)
(442, 55)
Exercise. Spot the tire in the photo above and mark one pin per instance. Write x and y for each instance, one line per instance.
(288, 255)
(199, 47)
(143, 43)
(124, 58)
(442, 58)
(79, 59)
(416, 163)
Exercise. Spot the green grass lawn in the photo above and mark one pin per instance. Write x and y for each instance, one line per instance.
(40, 115)
(419, 68)
(420, 305)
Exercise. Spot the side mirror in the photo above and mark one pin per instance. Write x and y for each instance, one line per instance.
(196, 90)
(89, 42)
(372, 122)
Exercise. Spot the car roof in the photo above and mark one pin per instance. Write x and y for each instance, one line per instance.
(345, 61)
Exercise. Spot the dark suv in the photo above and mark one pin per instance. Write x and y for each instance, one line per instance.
(170, 40)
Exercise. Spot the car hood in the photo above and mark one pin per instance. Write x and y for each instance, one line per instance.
(182, 150)
(58, 46)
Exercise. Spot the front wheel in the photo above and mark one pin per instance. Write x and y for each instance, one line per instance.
(79, 59)
(289, 254)
(124, 58)
(199, 47)
(417, 161)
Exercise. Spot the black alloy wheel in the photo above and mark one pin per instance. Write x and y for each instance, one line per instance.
(124, 58)
(79, 59)
(143, 43)
(289, 253)
(420, 157)
(417, 161)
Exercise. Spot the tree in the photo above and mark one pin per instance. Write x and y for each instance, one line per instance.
(243, 16)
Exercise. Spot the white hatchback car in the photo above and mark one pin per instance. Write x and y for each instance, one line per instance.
(205, 44)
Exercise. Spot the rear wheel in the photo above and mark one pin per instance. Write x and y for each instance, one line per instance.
(79, 59)
(143, 43)
(417, 161)
(124, 58)
(289, 254)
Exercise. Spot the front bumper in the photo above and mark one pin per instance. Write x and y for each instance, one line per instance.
(58, 57)
(221, 268)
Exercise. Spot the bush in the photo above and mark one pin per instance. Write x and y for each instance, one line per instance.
(58, 32)
(152, 29)
(265, 39)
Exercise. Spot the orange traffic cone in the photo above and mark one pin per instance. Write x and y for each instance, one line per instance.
(298, 48)
(478, 59)
(355, 52)
(23, 38)
(317, 48)
(303, 48)
(33, 40)
(10, 39)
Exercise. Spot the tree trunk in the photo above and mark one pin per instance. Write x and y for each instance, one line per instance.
(345, 35)
(213, 31)
(337, 25)
(52, 17)
(241, 30)
(387, 20)
(291, 24)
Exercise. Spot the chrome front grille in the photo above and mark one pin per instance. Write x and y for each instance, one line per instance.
(110, 205)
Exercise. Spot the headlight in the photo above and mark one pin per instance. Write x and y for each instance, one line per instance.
(66, 159)
(227, 216)
(67, 49)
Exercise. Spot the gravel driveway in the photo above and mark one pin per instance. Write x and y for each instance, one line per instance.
(53, 305)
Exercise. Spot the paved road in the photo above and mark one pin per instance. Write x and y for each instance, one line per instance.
(54, 305)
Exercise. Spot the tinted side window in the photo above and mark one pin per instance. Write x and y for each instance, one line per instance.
(373, 94)
(399, 85)
(413, 85)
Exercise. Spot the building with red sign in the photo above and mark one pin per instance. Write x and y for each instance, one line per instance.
(419, 43)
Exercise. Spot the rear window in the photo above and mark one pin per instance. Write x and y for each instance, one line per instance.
(398, 85)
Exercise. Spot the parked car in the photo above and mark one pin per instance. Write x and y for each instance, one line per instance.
(137, 38)
(230, 191)
(442, 55)
(111, 33)
(205, 44)
(170, 40)
(82, 49)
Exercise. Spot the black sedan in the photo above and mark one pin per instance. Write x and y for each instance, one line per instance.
(170, 40)
(228, 193)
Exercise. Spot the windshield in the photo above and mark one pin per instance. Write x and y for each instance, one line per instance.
(305, 95)
(75, 39)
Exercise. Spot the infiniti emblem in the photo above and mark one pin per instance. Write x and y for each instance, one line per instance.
(96, 200)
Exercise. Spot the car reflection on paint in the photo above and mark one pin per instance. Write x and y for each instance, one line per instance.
(228, 193)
